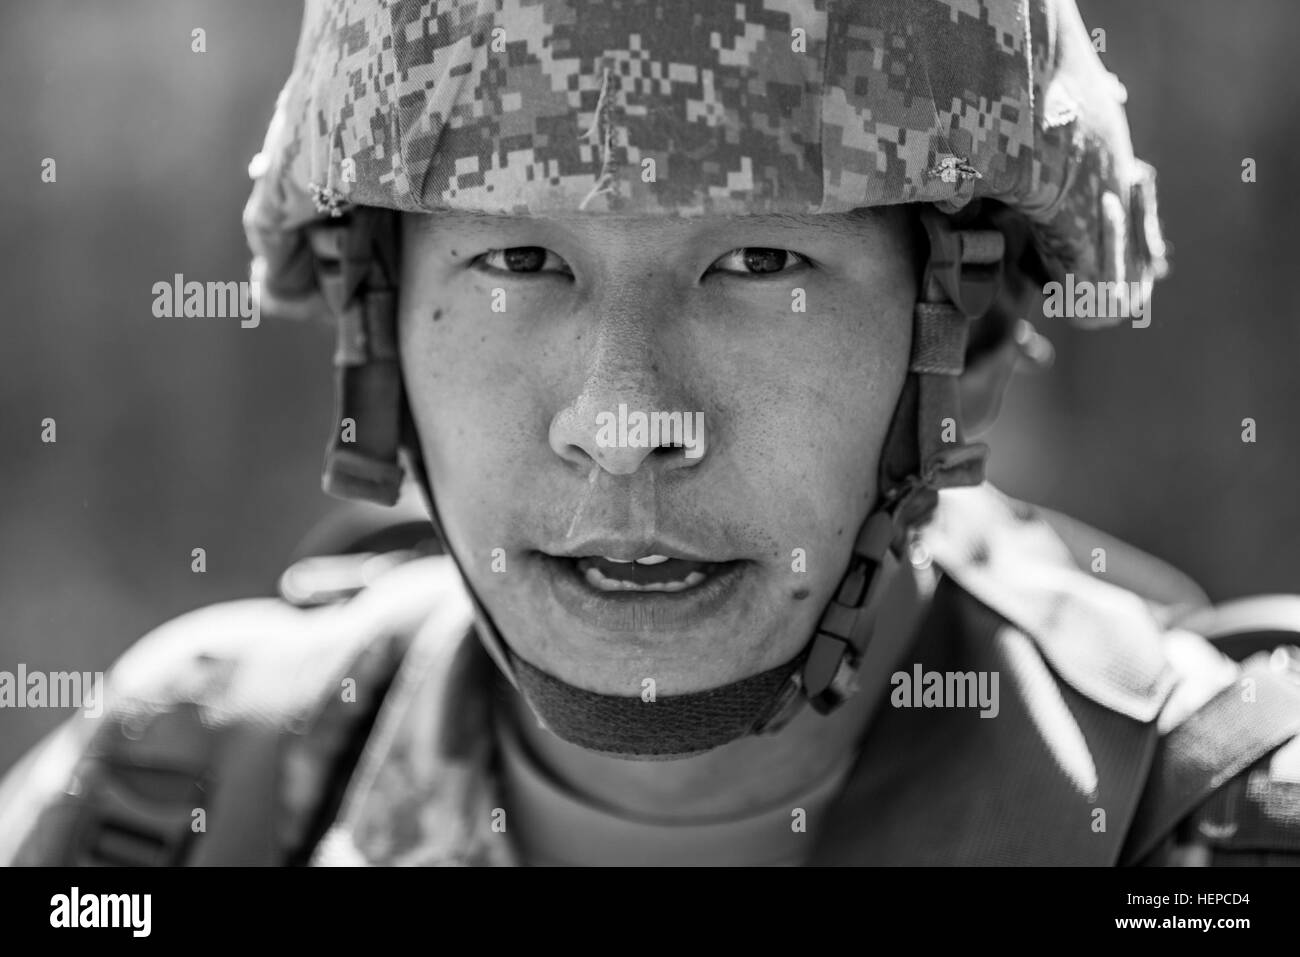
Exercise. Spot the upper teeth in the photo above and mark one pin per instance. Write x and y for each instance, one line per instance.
(646, 560)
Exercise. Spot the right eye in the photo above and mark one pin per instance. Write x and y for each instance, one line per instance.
(523, 259)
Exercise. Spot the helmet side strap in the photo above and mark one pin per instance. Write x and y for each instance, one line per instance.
(924, 452)
(357, 272)
(357, 263)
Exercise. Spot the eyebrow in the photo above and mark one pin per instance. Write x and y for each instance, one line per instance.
(845, 224)
(848, 224)
(469, 217)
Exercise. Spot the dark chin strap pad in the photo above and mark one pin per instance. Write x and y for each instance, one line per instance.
(666, 727)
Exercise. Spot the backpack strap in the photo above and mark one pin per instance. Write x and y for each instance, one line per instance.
(1247, 626)
(138, 787)
(1239, 726)
(253, 712)
(267, 785)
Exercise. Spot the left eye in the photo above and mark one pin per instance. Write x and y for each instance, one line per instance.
(758, 260)
(524, 259)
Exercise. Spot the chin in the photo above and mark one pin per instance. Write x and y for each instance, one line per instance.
(610, 641)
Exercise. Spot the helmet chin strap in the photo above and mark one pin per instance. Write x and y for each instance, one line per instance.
(923, 453)
(624, 725)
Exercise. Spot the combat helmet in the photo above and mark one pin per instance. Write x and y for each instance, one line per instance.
(996, 116)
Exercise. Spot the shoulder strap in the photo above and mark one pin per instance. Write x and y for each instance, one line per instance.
(144, 774)
(1247, 626)
(1240, 725)
(252, 713)
(138, 788)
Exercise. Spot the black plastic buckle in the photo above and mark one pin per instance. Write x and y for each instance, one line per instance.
(137, 816)
(829, 675)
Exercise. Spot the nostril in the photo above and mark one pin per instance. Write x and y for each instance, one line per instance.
(621, 441)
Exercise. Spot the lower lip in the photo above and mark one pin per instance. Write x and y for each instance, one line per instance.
(641, 611)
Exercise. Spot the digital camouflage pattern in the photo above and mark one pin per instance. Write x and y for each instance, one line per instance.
(750, 107)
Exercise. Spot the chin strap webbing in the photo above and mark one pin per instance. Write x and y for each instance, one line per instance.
(924, 452)
(670, 726)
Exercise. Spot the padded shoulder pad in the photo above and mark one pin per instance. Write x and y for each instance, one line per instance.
(265, 660)
(196, 715)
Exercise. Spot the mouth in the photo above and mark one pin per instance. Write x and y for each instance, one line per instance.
(644, 592)
(651, 573)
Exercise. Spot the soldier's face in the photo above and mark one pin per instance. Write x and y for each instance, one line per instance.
(594, 389)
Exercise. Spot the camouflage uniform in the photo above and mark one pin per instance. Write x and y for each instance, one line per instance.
(236, 709)
(1114, 700)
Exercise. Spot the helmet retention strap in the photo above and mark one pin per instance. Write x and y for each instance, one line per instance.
(357, 269)
(924, 452)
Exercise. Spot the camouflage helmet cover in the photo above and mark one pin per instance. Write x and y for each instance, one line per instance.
(747, 107)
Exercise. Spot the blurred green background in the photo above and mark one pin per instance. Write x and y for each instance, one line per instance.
(173, 435)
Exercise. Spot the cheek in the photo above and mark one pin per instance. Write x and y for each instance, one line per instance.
(466, 405)
(431, 360)
(860, 390)
(815, 411)
(812, 421)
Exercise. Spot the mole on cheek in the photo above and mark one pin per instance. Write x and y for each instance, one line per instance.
(800, 594)
(437, 314)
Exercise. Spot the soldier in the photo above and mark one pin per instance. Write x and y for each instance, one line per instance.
(681, 318)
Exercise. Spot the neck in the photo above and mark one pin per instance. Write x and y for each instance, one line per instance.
(750, 773)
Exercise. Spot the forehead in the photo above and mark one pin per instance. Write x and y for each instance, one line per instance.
(856, 223)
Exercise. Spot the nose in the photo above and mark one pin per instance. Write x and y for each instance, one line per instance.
(629, 414)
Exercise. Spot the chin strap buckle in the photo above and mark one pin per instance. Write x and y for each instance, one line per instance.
(962, 281)
(829, 674)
